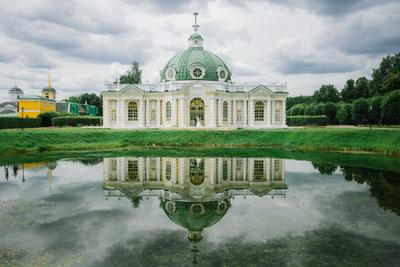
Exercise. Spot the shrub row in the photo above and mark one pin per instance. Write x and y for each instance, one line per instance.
(48, 116)
(76, 121)
(15, 122)
(307, 120)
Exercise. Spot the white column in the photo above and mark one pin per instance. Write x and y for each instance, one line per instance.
(284, 113)
(220, 117)
(269, 116)
(119, 116)
(141, 113)
(147, 113)
(106, 112)
(244, 169)
(158, 112)
(173, 171)
(212, 113)
(123, 113)
(273, 113)
(251, 169)
(251, 115)
(173, 112)
(212, 172)
(181, 171)
(142, 165)
(219, 177)
(234, 122)
(245, 113)
(181, 112)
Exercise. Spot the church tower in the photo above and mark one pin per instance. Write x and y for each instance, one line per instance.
(49, 92)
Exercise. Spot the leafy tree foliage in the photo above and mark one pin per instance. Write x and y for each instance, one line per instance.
(327, 93)
(89, 98)
(132, 76)
(348, 91)
(391, 108)
(309, 110)
(319, 109)
(291, 101)
(375, 110)
(297, 110)
(360, 111)
(341, 114)
(361, 88)
(330, 111)
(385, 78)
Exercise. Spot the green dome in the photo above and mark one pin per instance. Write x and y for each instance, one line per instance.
(195, 216)
(49, 89)
(195, 63)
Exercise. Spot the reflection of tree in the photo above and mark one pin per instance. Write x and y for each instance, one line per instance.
(90, 162)
(323, 168)
(136, 201)
(15, 170)
(6, 173)
(385, 185)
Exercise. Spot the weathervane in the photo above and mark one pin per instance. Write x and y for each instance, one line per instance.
(195, 26)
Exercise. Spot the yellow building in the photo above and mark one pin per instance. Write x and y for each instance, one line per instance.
(31, 106)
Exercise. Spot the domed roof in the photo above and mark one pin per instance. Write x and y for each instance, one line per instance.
(195, 216)
(48, 89)
(196, 63)
(15, 90)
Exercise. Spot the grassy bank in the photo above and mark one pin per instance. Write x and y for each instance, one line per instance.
(384, 141)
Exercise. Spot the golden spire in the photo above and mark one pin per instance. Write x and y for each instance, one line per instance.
(49, 81)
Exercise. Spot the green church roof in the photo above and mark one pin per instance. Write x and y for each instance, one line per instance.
(184, 63)
(49, 89)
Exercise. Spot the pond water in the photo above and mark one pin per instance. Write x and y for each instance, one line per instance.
(210, 211)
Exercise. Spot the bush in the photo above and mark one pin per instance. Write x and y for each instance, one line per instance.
(76, 121)
(341, 114)
(360, 111)
(15, 122)
(307, 120)
(48, 116)
(391, 108)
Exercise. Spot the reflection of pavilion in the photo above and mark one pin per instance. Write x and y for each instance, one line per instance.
(195, 192)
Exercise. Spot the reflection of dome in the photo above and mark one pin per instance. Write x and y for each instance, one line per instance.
(195, 63)
(195, 216)
(51, 165)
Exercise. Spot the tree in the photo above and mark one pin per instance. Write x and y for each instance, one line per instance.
(341, 114)
(297, 110)
(132, 76)
(360, 111)
(319, 109)
(89, 98)
(330, 111)
(389, 66)
(361, 88)
(391, 108)
(348, 91)
(375, 111)
(391, 83)
(291, 101)
(327, 93)
(309, 110)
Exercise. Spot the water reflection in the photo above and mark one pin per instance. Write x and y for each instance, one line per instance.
(194, 193)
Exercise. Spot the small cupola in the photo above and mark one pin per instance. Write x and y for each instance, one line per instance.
(195, 40)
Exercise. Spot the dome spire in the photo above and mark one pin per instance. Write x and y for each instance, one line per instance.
(195, 25)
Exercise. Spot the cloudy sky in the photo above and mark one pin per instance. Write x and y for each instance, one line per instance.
(305, 43)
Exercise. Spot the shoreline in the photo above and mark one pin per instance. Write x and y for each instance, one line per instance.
(345, 140)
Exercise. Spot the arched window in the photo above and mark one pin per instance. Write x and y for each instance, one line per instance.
(225, 111)
(168, 111)
(132, 111)
(259, 111)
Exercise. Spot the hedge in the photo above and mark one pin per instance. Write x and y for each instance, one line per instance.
(15, 122)
(48, 116)
(76, 121)
(307, 120)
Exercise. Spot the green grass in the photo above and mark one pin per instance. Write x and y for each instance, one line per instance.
(383, 141)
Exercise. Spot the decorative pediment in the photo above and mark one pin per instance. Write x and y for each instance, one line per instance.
(261, 89)
(131, 89)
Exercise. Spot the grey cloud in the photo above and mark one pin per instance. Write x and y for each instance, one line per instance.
(301, 56)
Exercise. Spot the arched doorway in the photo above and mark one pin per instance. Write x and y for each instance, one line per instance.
(197, 112)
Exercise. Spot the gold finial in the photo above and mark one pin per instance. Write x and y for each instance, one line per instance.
(49, 80)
